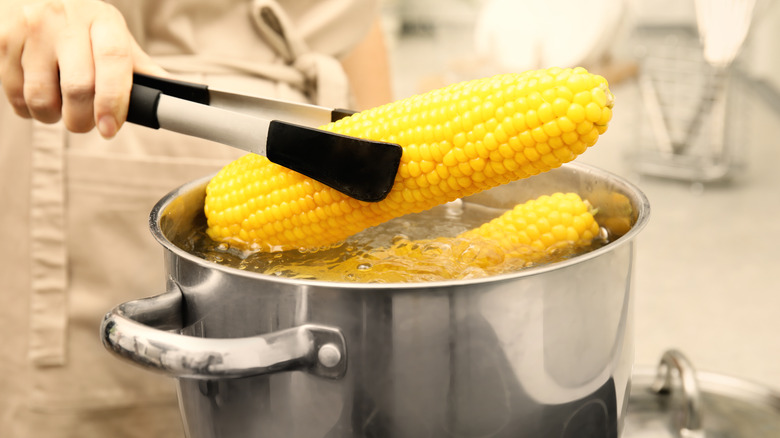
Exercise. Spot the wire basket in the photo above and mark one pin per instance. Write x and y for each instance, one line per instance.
(692, 116)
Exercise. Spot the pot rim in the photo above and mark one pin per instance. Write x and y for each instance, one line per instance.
(643, 213)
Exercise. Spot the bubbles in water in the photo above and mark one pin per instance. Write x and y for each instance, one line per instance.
(454, 209)
(401, 250)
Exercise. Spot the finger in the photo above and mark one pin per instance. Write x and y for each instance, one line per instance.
(11, 74)
(77, 78)
(112, 55)
(39, 65)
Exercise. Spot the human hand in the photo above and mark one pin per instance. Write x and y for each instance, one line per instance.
(71, 60)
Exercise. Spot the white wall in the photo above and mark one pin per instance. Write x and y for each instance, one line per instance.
(762, 57)
(663, 11)
(765, 44)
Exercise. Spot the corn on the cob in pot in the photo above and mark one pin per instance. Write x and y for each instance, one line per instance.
(540, 230)
(546, 229)
(457, 141)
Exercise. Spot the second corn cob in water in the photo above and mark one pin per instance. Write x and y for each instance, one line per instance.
(548, 228)
(457, 141)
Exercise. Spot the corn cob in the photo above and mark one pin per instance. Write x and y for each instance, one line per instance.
(615, 212)
(541, 230)
(458, 140)
(541, 225)
(529, 233)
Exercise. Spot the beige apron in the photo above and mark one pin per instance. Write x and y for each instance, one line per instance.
(73, 224)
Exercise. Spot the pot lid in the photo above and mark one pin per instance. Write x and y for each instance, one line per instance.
(677, 401)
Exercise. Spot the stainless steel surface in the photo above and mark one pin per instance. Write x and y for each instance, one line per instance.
(677, 400)
(271, 109)
(243, 131)
(543, 352)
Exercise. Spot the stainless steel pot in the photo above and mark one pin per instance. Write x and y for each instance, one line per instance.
(546, 352)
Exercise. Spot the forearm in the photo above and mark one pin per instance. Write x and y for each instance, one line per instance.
(368, 69)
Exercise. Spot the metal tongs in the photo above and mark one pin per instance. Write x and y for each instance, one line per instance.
(284, 132)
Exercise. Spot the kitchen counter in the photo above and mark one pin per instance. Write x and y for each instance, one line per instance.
(707, 263)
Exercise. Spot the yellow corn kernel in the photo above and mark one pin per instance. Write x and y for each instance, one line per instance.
(541, 224)
(446, 126)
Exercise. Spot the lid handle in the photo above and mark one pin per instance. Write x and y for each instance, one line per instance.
(674, 363)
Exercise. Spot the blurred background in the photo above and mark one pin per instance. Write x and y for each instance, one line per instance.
(696, 127)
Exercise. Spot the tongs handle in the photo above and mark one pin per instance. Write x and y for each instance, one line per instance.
(142, 108)
(200, 93)
(191, 91)
(360, 168)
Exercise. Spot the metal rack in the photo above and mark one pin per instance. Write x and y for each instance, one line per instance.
(691, 124)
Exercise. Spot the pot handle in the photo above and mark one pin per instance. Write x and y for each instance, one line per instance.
(139, 331)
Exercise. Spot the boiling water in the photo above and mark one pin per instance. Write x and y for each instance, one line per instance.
(400, 250)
